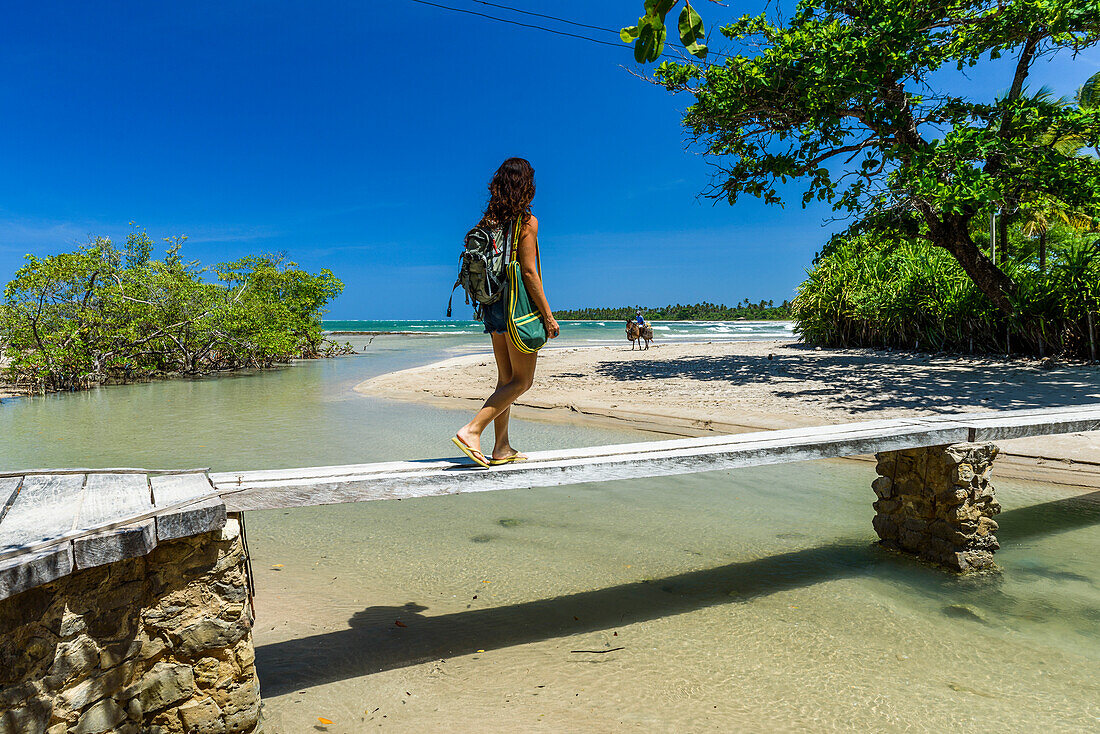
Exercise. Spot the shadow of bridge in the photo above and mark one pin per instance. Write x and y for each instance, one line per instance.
(372, 643)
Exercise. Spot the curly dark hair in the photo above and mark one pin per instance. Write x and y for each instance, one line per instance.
(510, 193)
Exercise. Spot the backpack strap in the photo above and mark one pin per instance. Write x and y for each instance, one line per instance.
(457, 284)
(449, 300)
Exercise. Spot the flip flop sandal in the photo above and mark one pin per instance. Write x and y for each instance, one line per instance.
(473, 454)
(507, 459)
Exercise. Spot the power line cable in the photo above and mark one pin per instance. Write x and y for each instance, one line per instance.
(555, 31)
(567, 21)
(544, 15)
(599, 41)
(522, 25)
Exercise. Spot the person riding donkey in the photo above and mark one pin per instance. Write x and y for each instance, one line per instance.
(638, 330)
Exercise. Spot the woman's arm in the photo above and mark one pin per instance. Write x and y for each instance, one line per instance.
(527, 253)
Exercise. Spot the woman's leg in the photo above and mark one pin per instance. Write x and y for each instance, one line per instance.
(522, 375)
(502, 447)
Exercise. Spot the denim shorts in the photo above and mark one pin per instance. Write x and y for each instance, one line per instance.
(495, 317)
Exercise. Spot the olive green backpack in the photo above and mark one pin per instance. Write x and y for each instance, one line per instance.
(525, 327)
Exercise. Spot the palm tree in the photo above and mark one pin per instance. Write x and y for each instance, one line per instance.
(1039, 211)
(1088, 96)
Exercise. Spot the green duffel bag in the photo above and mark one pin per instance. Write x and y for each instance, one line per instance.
(525, 327)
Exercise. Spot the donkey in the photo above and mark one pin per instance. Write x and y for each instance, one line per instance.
(636, 333)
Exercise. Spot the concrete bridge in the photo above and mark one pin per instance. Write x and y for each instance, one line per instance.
(54, 521)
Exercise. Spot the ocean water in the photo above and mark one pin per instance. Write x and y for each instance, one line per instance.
(749, 600)
(588, 332)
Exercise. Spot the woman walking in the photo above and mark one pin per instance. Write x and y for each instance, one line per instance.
(511, 191)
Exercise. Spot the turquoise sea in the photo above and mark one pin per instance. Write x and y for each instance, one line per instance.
(585, 332)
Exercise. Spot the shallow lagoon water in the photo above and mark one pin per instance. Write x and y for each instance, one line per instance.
(747, 601)
(753, 600)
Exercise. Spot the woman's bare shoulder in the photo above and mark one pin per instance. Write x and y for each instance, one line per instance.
(532, 225)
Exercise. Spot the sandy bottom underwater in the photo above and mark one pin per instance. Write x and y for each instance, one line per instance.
(753, 600)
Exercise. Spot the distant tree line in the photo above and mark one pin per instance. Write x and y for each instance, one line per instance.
(705, 311)
(99, 314)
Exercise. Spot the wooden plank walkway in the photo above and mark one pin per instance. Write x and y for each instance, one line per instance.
(54, 521)
(261, 490)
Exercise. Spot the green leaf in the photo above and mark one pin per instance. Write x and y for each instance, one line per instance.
(699, 50)
(1088, 97)
(659, 7)
(629, 33)
(691, 32)
(651, 42)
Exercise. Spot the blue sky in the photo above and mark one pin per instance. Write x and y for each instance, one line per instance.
(360, 136)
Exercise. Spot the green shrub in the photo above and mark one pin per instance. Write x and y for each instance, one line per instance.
(98, 314)
(908, 294)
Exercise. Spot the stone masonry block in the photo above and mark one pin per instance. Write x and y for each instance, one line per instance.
(158, 644)
(203, 716)
(938, 503)
(101, 717)
(883, 487)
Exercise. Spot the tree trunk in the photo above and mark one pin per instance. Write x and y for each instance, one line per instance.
(953, 236)
(1092, 343)
(1002, 237)
(1042, 252)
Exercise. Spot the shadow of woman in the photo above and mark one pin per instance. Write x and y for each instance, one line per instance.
(382, 638)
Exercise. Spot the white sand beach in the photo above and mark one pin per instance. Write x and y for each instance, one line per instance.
(731, 387)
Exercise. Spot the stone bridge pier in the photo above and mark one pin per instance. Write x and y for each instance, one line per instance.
(938, 503)
(157, 644)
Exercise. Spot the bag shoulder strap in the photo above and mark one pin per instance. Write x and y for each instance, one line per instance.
(513, 239)
(513, 245)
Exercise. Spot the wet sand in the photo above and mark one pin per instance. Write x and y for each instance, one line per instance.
(732, 387)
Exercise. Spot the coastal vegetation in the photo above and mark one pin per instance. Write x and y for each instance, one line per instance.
(868, 291)
(705, 311)
(101, 314)
(852, 100)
